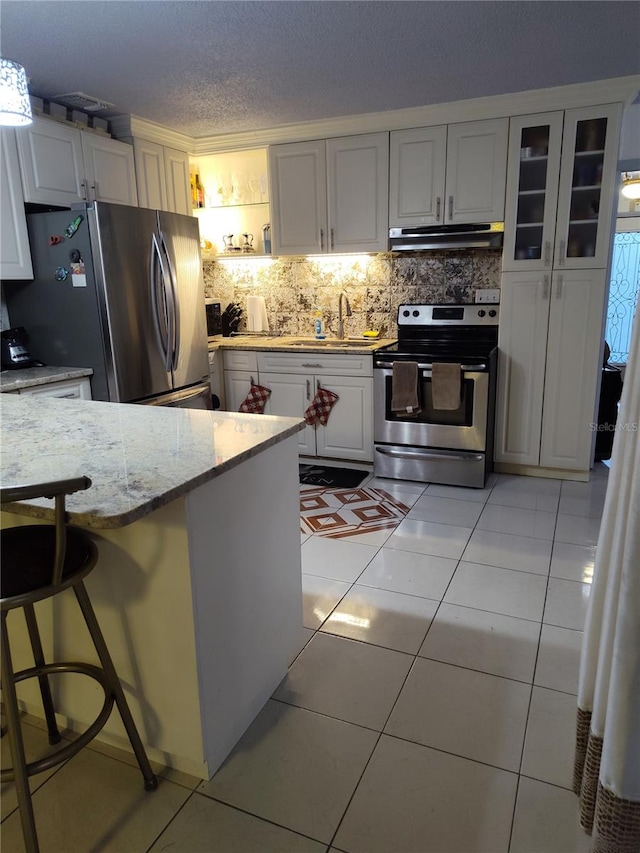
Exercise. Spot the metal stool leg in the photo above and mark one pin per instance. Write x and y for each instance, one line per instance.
(43, 680)
(150, 781)
(16, 744)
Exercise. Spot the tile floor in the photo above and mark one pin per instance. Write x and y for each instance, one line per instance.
(430, 709)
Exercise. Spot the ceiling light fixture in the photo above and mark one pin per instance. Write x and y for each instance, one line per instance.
(631, 185)
(15, 107)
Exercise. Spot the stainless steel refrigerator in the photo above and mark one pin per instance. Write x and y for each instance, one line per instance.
(121, 293)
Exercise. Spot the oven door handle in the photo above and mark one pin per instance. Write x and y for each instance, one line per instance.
(466, 368)
(429, 454)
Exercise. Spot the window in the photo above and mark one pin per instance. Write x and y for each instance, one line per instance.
(623, 293)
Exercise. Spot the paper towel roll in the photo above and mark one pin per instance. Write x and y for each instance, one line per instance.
(257, 314)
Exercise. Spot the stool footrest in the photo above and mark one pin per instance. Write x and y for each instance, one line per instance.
(72, 747)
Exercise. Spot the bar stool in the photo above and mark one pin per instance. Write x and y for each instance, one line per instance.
(38, 562)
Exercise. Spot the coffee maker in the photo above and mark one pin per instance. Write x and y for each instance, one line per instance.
(14, 351)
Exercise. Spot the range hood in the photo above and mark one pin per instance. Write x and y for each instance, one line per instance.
(477, 235)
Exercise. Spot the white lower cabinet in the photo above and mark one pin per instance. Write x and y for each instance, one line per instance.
(550, 341)
(294, 380)
(290, 396)
(240, 370)
(72, 389)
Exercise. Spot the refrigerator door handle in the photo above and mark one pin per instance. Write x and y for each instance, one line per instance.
(160, 307)
(174, 334)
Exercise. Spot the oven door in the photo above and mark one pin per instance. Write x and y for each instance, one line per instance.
(464, 428)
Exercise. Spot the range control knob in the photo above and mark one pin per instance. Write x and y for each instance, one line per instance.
(405, 313)
(482, 313)
(493, 312)
(416, 313)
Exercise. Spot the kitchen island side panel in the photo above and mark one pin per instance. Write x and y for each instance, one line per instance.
(244, 542)
(141, 592)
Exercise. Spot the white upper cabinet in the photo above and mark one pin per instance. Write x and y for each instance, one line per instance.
(15, 257)
(476, 171)
(150, 175)
(330, 196)
(298, 175)
(176, 169)
(62, 165)
(417, 160)
(109, 170)
(162, 177)
(448, 174)
(51, 163)
(357, 193)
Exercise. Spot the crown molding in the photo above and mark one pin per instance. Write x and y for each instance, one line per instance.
(615, 90)
(128, 126)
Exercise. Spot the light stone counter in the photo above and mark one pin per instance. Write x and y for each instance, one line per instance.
(27, 377)
(292, 343)
(199, 595)
(139, 458)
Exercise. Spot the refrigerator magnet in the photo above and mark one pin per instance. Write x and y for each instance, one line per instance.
(61, 274)
(73, 226)
(78, 277)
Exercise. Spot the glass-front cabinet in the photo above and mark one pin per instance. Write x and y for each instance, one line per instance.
(535, 144)
(560, 189)
(587, 186)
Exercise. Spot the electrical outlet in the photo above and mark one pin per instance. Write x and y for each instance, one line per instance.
(488, 294)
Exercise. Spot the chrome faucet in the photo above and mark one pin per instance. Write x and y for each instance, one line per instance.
(348, 312)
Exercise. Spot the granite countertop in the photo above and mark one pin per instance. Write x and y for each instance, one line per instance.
(26, 377)
(293, 343)
(138, 457)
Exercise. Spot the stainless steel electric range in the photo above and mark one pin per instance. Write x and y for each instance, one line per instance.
(453, 446)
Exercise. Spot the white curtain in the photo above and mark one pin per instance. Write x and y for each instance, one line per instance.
(607, 767)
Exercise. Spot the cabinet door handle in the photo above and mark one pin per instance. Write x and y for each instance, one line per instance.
(563, 245)
(559, 288)
(84, 190)
(545, 286)
(547, 252)
(311, 365)
(317, 384)
(94, 187)
(450, 207)
(322, 238)
(308, 389)
(332, 238)
(438, 205)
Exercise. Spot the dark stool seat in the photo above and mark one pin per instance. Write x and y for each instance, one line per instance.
(40, 561)
(26, 560)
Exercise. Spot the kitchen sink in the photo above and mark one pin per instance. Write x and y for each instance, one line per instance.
(333, 343)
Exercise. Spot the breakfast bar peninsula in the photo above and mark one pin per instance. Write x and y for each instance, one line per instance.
(198, 584)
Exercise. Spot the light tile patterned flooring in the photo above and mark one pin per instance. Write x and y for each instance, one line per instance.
(431, 708)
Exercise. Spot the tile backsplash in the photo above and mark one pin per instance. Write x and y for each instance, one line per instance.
(295, 288)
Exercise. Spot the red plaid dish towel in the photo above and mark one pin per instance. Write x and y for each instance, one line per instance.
(320, 407)
(256, 400)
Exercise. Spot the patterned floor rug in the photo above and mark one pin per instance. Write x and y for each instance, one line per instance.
(338, 513)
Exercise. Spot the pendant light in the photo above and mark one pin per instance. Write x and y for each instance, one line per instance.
(631, 185)
(15, 107)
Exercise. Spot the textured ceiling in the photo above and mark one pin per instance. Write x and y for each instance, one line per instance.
(217, 67)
